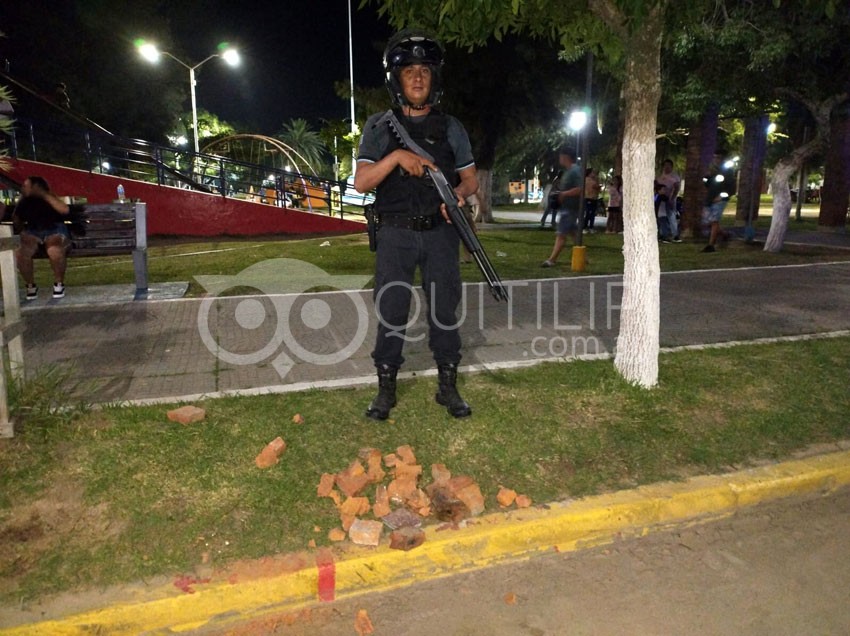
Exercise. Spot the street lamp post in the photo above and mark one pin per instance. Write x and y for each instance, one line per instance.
(152, 54)
(576, 123)
(351, 89)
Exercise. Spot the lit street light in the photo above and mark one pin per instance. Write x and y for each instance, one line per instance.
(152, 54)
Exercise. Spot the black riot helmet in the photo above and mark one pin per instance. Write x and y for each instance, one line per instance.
(410, 47)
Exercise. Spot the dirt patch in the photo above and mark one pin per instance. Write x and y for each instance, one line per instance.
(59, 517)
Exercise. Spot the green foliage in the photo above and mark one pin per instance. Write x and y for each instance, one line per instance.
(40, 403)
(308, 143)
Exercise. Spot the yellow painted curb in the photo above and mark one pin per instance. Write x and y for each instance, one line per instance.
(491, 539)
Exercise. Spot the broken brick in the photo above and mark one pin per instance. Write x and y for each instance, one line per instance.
(401, 518)
(405, 454)
(403, 471)
(406, 538)
(400, 489)
(390, 460)
(350, 485)
(311, 543)
(355, 506)
(336, 535)
(473, 499)
(523, 501)
(346, 521)
(374, 470)
(270, 455)
(186, 414)
(362, 624)
(297, 419)
(459, 482)
(382, 502)
(510, 598)
(326, 484)
(446, 506)
(440, 474)
(417, 499)
(364, 532)
(506, 496)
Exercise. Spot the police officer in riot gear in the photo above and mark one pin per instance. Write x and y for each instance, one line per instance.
(414, 230)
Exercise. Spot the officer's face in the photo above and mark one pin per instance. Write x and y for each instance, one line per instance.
(416, 83)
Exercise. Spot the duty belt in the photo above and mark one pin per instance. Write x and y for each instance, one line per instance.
(415, 223)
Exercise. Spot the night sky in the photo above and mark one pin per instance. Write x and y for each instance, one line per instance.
(293, 51)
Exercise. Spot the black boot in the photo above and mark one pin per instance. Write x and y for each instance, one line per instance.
(380, 407)
(448, 395)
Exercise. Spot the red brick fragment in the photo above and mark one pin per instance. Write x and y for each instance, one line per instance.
(400, 489)
(473, 499)
(336, 535)
(405, 454)
(459, 482)
(362, 624)
(270, 455)
(364, 532)
(326, 485)
(355, 506)
(440, 474)
(406, 538)
(523, 501)
(381, 507)
(506, 496)
(403, 471)
(298, 418)
(352, 480)
(186, 414)
(390, 460)
(374, 470)
(446, 506)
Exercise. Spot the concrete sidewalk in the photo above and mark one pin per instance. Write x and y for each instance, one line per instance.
(182, 349)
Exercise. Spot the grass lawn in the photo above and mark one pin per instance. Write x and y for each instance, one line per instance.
(515, 253)
(121, 494)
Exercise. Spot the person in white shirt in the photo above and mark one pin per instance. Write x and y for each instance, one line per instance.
(670, 183)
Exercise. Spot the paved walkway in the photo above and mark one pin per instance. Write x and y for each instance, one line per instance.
(170, 348)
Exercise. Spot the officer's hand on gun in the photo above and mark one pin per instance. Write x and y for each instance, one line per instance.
(412, 163)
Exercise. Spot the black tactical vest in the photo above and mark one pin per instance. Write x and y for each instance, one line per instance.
(406, 195)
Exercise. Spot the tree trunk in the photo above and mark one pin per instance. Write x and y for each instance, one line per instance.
(702, 140)
(781, 202)
(790, 164)
(485, 190)
(636, 357)
(835, 195)
(749, 181)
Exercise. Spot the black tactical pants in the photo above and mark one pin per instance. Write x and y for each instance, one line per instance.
(435, 252)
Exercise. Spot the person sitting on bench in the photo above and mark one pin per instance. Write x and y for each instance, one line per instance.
(43, 217)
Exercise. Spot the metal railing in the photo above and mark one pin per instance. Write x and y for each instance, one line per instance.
(100, 152)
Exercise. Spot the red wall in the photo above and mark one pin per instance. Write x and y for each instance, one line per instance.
(177, 212)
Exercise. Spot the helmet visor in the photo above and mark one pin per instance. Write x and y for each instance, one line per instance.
(415, 51)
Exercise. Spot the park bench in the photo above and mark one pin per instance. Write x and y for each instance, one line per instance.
(111, 228)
